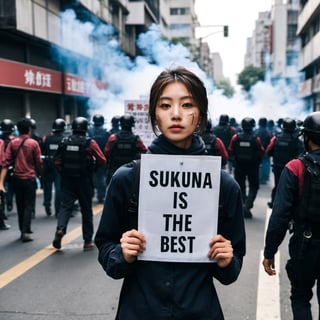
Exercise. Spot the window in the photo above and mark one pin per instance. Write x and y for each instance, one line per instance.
(179, 11)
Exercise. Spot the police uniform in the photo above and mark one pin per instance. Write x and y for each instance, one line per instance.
(265, 137)
(51, 175)
(214, 144)
(7, 128)
(296, 207)
(75, 158)
(100, 135)
(246, 149)
(283, 148)
(123, 147)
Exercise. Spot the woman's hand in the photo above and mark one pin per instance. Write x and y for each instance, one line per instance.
(221, 250)
(132, 244)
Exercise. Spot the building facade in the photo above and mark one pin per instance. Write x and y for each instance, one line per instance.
(309, 57)
(43, 75)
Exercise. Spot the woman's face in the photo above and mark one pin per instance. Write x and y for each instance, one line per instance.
(177, 114)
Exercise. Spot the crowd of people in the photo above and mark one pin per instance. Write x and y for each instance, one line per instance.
(92, 161)
(73, 165)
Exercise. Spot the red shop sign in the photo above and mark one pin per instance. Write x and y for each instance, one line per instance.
(25, 76)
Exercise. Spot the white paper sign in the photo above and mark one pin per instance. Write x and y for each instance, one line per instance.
(178, 206)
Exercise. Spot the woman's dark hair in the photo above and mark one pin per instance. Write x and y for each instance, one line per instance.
(194, 85)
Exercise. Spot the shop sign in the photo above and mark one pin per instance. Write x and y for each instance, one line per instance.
(25, 76)
(77, 86)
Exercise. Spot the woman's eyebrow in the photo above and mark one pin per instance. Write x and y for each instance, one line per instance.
(181, 98)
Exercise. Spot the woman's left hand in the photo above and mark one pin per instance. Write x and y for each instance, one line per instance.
(221, 250)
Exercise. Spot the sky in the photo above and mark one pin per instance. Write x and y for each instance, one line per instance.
(240, 16)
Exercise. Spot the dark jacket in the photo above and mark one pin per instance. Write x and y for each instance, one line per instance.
(286, 200)
(167, 290)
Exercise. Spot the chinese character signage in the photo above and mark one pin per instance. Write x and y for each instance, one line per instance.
(139, 110)
(24, 76)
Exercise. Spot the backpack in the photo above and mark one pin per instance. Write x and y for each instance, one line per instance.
(246, 149)
(309, 203)
(123, 151)
(74, 156)
(100, 135)
(285, 149)
(209, 140)
(50, 147)
(133, 202)
(225, 133)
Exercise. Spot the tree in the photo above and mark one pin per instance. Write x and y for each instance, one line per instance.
(250, 76)
(225, 86)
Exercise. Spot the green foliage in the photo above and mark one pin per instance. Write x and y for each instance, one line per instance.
(250, 76)
(225, 86)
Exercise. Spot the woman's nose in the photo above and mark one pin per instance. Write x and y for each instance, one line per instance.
(175, 111)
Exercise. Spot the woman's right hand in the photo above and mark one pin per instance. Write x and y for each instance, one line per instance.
(132, 244)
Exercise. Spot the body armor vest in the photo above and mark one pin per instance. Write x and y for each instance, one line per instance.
(75, 162)
(224, 133)
(124, 150)
(100, 135)
(285, 149)
(246, 149)
(209, 140)
(309, 204)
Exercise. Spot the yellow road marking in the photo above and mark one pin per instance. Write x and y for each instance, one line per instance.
(25, 265)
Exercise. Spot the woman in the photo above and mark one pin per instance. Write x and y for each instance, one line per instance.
(178, 107)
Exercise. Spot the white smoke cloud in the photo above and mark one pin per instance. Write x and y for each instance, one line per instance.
(131, 79)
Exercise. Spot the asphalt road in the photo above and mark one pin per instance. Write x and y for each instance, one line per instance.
(39, 283)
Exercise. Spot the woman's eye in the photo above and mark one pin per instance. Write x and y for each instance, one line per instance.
(187, 105)
(164, 106)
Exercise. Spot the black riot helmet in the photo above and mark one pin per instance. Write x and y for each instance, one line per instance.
(58, 125)
(115, 121)
(224, 119)
(288, 125)
(311, 127)
(248, 124)
(263, 122)
(127, 121)
(33, 124)
(6, 126)
(79, 124)
(98, 120)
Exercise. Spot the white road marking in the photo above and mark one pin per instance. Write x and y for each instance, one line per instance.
(268, 295)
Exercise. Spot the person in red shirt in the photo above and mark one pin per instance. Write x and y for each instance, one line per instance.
(25, 155)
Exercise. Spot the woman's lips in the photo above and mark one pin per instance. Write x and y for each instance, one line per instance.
(176, 128)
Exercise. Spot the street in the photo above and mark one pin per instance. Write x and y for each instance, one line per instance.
(39, 283)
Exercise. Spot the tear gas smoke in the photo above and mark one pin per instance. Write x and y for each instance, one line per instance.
(131, 79)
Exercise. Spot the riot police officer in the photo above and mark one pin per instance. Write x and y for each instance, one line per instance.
(123, 147)
(115, 125)
(51, 175)
(282, 148)
(7, 129)
(214, 144)
(75, 158)
(265, 137)
(296, 204)
(100, 135)
(247, 150)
